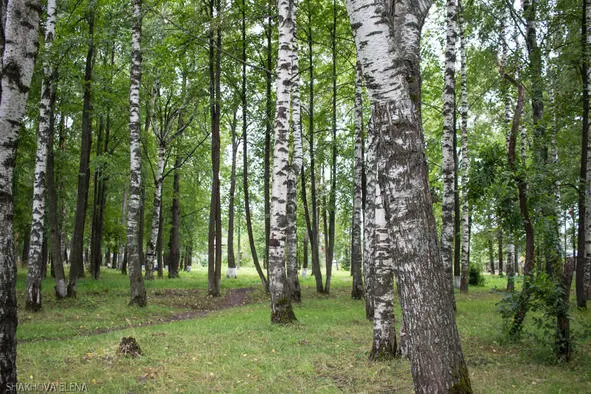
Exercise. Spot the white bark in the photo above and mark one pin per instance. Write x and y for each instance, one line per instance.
(356, 235)
(281, 309)
(134, 266)
(35, 258)
(465, 163)
(369, 221)
(448, 146)
(21, 44)
(151, 250)
(387, 42)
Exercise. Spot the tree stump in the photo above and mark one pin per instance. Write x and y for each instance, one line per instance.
(129, 347)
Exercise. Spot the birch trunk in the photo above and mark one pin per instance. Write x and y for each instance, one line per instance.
(291, 237)
(18, 59)
(369, 221)
(174, 244)
(356, 246)
(158, 181)
(465, 261)
(281, 309)
(449, 130)
(134, 265)
(388, 45)
(510, 267)
(384, 330)
(35, 260)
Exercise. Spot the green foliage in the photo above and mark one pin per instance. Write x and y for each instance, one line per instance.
(475, 276)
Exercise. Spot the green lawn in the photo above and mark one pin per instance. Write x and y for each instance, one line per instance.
(238, 350)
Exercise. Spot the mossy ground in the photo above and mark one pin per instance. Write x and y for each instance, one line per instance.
(191, 344)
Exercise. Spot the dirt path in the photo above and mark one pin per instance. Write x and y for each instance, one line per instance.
(200, 306)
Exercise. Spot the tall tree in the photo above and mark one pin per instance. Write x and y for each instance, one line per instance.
(281, 309)
(314, 230)
(465, 158)
(35, 261)
(268, 129)
(174, 244)
(583, 173)
(18, 60)
(76, 256)
(136, 280)
(369, 217)
(293, 282)
(247, 214)
(388, 46)
(586, 268)
(449, 149)
(356, 245)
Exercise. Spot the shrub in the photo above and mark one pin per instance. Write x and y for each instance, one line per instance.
(475, 275)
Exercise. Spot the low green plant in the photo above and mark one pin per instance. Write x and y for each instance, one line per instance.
(476, 278)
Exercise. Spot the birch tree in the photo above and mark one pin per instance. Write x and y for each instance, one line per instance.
(369, 219)
(35, 261)
(465, 160)
(356, 245)
(586, 268)
(134, 265)
(18, 60)
(281, 309)
(294, 169)
(388, 46)
(449, 149)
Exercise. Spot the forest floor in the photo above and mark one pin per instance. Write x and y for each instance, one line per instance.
(194, 343)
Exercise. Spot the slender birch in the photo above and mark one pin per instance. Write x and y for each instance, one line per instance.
(18, 59)
(388, 46)
(449, 153)
(296, 126)
(281, 309)
(587, 266)
(356, 248)
(35, 260)
(134, 265)
(465, 160)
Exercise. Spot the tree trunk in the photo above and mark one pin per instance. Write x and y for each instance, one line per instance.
(20, 49)
(159, 259)
(136, 280)
(268, 132)
(500, 247)
(247, 214)
(158, 181)
(586, 268)
(491, 259)
(449, 130)
(510, 267)
(465, 257)
(583, 174)
(369, 220)
(281, 309)
(314, 236)
(175, 252)
(356, 247)
(293, 282)
(44, 132)
(99, 203)
(215, 225)
(76, 256)
(388, 45)
(57, 264)
(563, 346)
(231, 271)
(384, 330)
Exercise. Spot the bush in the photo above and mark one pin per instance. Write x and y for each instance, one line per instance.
(475, 275)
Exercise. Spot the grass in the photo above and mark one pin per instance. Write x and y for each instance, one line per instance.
(238, 350)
